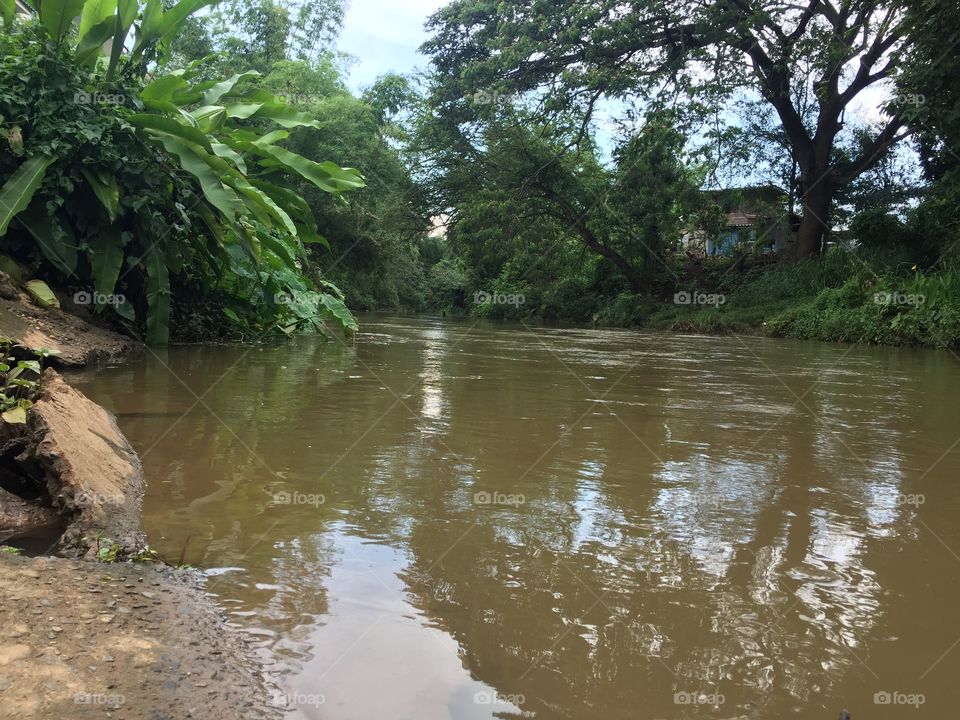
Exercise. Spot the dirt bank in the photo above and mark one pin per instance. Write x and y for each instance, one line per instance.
(125, 641)
(77, 342)
(82, 638)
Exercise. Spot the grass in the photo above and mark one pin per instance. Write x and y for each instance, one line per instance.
(838, 297)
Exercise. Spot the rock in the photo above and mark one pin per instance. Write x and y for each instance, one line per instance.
(89, 470)
(8, 287)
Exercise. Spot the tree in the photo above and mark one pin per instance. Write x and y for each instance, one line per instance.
(573, 54)
(513, 172)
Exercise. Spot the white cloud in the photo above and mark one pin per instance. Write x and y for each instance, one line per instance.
(383, 35)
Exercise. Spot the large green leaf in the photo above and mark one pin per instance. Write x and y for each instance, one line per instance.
(168, 125)
(42, 293)
(285, 253)
(195, 161)
(209, 118)
(158, 26)
(105, 188)
(264, 202)
(106, 259)
(158, 298)
(8, 10)
(327, 176)
(225, 151)
(126, 14)
(160, 94)
(218, 90)
(91, 45)
(335, 307)
(281, 114)
(54, 237)
(57, 16)
(18, 190)
(95, 12)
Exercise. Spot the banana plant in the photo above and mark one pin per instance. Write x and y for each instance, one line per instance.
(226, 135)
(89, 25)
(207, 127)
(98, 22)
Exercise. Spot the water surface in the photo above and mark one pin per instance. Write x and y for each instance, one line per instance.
(446, 519)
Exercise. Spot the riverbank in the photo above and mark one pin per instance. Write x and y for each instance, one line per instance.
(84, 638)
(840, 297)
(125, 640)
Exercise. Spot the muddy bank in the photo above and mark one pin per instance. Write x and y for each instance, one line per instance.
(123, 640)
(82, 638)
(77, 342)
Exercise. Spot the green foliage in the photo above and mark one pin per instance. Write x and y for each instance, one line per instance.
(108, 551)
(143, 187)
(839, 297)
(20, 381)
(568, 59)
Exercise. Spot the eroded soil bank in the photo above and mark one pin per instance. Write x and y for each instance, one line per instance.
(83, 638)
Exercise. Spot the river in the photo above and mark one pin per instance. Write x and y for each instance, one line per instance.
(451, 519)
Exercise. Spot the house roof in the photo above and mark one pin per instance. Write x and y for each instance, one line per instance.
(738, 218)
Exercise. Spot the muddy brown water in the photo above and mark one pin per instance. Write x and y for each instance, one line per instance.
(446, 519)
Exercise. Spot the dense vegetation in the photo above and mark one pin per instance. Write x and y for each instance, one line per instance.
(559, 162)
(145, 189)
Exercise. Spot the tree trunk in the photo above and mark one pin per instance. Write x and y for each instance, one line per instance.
(816, 217)
(639, 285)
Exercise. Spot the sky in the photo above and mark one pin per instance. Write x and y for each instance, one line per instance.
(383, 36)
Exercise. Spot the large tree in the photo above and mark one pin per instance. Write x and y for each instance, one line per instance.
(571, 54)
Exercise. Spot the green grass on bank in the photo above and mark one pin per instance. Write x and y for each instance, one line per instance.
(839, 297)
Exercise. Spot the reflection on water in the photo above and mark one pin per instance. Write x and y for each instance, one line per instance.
(451, 520)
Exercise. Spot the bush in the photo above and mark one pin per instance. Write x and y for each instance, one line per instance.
(139, 190)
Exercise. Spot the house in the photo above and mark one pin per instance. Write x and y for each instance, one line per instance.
(23, 8)
(755, 219)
